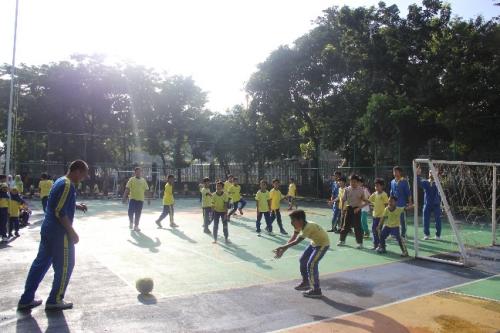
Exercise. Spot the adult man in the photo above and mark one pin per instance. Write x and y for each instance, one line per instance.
(58, 239)
(134, 191)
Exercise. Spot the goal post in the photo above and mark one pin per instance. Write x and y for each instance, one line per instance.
(468, 198)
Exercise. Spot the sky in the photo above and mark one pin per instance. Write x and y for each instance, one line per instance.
(219, 42)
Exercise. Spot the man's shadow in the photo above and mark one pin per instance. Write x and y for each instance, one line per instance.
(244, 255)
(143, 241)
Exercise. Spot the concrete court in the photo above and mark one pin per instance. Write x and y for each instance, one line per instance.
(201, 287)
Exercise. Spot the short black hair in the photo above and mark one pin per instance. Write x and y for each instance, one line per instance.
(263, 181)
(298, 214)
(398, 168)
(355, 177)
(276, 180)
(379, 181)
(220, 183)
(78, 165)
(206, 179)
(343, 179)
(137, 168)
(170, 176)
(235, 178)
(44, 176)
(393, 197)
(292, 179)
(337, 173)
(229, 176)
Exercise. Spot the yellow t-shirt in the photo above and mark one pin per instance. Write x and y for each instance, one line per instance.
(227, 186)
(316, 234)
(168, 195)
(45, 186)
(206, 199)
(137, 187)
(379, 201)
(262, 201)
(14, 207)
(4, 199)
(219, 201)
(276, 197)
(292, 190)
(235, 193)
(340, 203)
(392, 218)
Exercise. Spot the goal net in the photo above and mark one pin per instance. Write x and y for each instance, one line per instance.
(121, 177)
(466, 203)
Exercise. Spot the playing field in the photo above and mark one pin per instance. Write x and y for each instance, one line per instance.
(239, 287)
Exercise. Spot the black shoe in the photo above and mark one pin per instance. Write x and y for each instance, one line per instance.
(17, 234)
(158, 223)
(207, 231)
(313, 293)
(331, 230)
(283, 232)
(303, 286)
(10, 236)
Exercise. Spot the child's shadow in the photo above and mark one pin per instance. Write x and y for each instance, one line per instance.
(245, 255)
(141, 240)
(180, 234)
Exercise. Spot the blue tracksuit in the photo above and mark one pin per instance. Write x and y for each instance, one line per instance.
(432, 205)
(335, 208)
(401, 190)
(56, 248)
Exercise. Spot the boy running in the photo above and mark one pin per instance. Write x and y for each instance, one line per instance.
(292, 194)
(379, 200)
(168, 203)
(236, 199)
(220, 205)
(391, 219)
(400, 188)
(206, 204)
(276, 197)
(44, 186)
(134, 192)
(309, 261)
(263, 201)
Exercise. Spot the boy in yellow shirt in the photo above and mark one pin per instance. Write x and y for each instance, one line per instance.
(263, 202)
(168, 203)
(236, 199)
(15, 204)
(309, 261)
(379, 201)
(292, 194)
(276, 197)
(206, 204)
(220, 202)
(4, 210)
(135, 192)
(391, 219)
(44, 186)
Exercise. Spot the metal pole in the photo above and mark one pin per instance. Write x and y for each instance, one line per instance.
(494, 207)
(415, 208)
(11, 96)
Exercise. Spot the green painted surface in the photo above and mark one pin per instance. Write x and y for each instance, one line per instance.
(489, 288)
(184, 261)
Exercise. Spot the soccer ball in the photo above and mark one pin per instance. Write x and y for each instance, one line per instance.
(144, 285)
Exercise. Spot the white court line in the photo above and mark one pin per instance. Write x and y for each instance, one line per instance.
(473, 296)
(381, 306)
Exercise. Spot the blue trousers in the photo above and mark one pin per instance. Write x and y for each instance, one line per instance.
(402, 224)
(134, 211)
(167, 210)
(309, 262)
(13, 225)
(4, 218)
(220, 216)
(44, 203)
(207, 216)
(376, 236)
(56, 250)
(335, 217)
(238, 204)
(386, 231)
(427, 211)
(267, 217)
(276, 215)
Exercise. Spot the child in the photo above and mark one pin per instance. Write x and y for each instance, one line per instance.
(4, 210)
(24, 216)
(236, 199)
(276, 197)
(379, 200)
(292, 194)
(44, 186)
(220, 201)
(263, 201)
(391, 218)
(227, 187)
(352, 202)
(432, 204)
(364, 212)
(15, 203)
(206, 204)
(400, 188)
(309, 261)
(168, 203)
(334, 201)
(340, 203)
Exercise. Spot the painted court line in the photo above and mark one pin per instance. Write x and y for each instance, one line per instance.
(473, 296)
(382, 306)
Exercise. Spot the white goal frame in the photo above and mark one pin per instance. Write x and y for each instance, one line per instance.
(430, 163)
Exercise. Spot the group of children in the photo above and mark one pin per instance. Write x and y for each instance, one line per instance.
(14, 211)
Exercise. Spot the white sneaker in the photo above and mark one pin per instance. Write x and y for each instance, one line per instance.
(59, 306)
(437, 238)
(359, 246)
(340, 243)
(426, 237)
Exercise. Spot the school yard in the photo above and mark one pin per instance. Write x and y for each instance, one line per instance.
(202, 287)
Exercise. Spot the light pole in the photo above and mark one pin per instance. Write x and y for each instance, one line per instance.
(11, 96)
